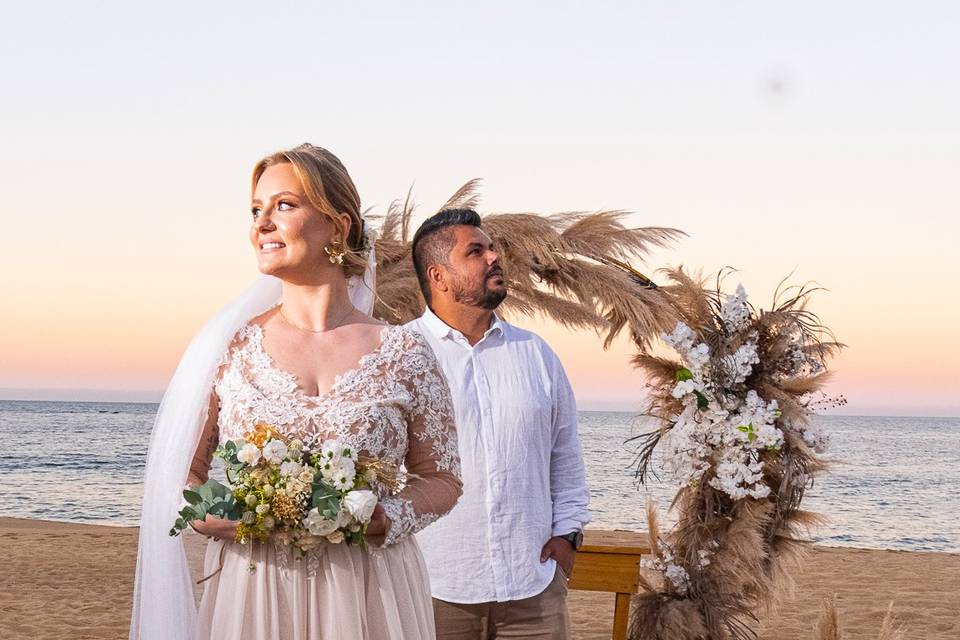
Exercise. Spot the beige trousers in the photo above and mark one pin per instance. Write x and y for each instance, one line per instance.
(541, 617)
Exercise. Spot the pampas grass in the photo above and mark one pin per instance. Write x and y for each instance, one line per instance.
(752, 546)
(570, 267)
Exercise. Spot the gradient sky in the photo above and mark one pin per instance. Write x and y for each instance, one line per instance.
(817, 137)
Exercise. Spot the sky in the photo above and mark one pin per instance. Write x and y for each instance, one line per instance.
(819, 139)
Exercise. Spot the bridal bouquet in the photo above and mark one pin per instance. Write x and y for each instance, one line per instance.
(290, 492)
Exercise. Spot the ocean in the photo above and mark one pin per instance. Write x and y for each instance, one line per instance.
(892, 484)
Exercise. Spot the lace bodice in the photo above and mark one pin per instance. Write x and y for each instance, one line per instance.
(394, 406)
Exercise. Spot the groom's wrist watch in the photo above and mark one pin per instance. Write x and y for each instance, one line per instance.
(575, 538)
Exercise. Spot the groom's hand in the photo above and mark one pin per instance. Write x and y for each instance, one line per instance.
(560, 550)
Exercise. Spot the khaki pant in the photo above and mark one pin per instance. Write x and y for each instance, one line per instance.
(543, 616)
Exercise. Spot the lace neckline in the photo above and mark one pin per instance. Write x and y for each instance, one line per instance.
(293, 382)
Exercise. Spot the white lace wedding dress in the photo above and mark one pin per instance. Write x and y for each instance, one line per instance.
(394, 406)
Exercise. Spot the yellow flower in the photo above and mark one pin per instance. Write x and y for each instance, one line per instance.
(261, 433)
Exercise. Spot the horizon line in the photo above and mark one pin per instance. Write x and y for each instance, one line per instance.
(154, 396)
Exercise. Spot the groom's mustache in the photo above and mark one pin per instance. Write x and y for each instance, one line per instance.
(494, 271)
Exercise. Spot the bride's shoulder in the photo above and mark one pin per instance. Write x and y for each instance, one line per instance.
(407, 342)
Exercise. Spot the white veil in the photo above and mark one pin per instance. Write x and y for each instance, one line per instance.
(163, 602)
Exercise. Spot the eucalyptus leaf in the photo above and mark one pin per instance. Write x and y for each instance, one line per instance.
(212, 498)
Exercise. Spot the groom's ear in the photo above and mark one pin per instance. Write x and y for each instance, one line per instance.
(437, 277)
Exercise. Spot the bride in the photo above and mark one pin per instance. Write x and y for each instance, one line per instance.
(300, 352)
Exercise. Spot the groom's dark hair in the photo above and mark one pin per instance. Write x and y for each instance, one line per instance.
(434, 240)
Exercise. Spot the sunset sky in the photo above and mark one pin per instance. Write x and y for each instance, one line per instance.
(816, 138)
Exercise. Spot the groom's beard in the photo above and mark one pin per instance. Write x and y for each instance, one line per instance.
(478, 294)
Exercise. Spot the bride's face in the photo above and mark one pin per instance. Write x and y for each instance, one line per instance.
(288, 233)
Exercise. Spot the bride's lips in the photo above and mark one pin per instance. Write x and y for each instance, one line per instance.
(271, 245)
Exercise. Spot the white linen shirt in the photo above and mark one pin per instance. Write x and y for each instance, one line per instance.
(522, 464)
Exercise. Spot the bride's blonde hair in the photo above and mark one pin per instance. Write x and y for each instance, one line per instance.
(330, 190)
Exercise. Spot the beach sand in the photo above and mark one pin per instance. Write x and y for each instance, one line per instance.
(72, 581)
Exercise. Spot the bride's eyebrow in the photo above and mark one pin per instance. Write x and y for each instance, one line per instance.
(275, 196)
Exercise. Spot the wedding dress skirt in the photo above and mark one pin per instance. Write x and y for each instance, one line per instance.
(336, 592)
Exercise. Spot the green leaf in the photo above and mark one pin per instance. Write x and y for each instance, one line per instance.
(743, 428)
(683, 374)
(211, 497)
(702, 402)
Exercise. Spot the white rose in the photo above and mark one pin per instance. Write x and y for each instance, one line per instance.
(336, 537)
(360, 504)
(250, 454)
(290, 469)
(306, 476)
(344, 518)
(308, 542)
(275, 451)
(317, 525)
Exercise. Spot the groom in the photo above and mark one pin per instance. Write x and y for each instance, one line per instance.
(499, 562)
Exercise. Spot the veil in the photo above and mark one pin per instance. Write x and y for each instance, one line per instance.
(163, 601)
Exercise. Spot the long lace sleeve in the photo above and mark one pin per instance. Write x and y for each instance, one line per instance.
(432, 459)
(209, 437)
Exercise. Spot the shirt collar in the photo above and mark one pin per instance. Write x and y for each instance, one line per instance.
(441, 329)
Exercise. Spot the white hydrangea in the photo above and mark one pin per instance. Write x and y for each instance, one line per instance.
(679, 577)
(740, 364)
(735, 312)
(814, 437)
(683, 388)
(698, 356)
(275, 451)
(673, 572)
(291, 469)
(681, 339)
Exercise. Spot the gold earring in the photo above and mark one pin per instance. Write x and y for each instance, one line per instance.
(335, 252)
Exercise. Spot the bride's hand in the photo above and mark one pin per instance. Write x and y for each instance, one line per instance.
(378, 526)
(214, 527)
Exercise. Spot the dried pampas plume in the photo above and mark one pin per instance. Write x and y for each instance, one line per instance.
(571, 267)
(828, 624)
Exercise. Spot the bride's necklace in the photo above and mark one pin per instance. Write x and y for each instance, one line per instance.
(308, 329)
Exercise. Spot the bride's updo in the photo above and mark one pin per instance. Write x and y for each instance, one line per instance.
(329, 189)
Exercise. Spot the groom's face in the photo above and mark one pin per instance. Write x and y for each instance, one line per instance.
(475, 277)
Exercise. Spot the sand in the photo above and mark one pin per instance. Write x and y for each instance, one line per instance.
(71, 581)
